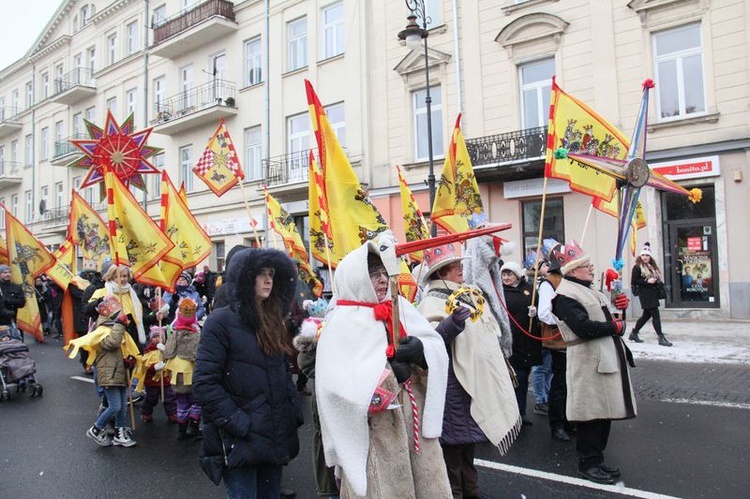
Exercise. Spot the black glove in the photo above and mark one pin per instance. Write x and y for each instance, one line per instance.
(460, 315)
(402, 370)
(411, 350)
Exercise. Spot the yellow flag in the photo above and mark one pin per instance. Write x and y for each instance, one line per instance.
(457, 198)
(353, 217)
(577, 128)
(63, 271)
(320, 229)
(89, 232)
(415, 226)
(135, 239)
(219, 165)
(28, 258)
(3, 251)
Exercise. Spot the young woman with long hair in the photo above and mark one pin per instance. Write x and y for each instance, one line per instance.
(646, 278)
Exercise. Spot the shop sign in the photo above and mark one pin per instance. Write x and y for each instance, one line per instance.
(230, 226)
(533, 187)
(706, 166)
(694, 243)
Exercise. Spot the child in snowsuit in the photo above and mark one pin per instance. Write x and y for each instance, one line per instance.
(156, 379)
(180, 352)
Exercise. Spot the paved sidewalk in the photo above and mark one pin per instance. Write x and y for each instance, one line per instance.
(721, 342)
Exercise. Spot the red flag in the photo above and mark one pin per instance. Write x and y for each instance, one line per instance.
(219, 165)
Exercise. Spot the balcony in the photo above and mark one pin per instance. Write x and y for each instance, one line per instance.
(193, 28)
(56, 219)
(8, 123)
(74, 86)
(10, 174)
(205, 104)
(65, 151)
(287, 169)
(509, 156)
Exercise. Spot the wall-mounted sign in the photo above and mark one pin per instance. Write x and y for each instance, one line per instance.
(231, 226)
(533, 187)
(706, 166)
(694, 243)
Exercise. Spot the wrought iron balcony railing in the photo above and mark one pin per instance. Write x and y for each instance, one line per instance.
(66, 147)
(287, 168)
(76, 77)
(188, 18)
(510, 147)
(56, 217)
(7, 113)
(215, 93)
(9, 168)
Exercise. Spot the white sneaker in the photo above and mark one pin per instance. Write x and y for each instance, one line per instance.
(98, 436)
(122, 437)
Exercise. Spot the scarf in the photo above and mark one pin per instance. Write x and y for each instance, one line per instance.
(115, 289)
(648, 271)
(383, 312)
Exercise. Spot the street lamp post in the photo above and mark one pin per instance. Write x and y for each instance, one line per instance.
(413, 35)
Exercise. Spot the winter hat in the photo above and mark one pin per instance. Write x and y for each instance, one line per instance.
(186, 275)
(316, 308)
(4, 268)
(200, 277)
(157, 331)
(549, 246)
(440, 256)
(109, 306)
(513, 267)
(105, 266)
(187, 308)
(570, 257)
(645, 251)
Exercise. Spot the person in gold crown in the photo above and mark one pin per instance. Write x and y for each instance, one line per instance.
(180, 353)
(599, 387)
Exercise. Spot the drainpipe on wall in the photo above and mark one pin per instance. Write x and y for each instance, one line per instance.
(32, 159)
(459, 91)
(267, 65)
(145, 86)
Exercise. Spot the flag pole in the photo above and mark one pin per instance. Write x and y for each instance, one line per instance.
(538, 247)
(249, 213)
(328, 258)
(586, 225)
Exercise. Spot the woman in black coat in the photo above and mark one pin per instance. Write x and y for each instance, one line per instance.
(251, 410)
(646, 282)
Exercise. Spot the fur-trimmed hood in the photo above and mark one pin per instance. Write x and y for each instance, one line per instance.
(246, 265)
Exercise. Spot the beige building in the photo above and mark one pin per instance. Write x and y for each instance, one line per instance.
(182, 65)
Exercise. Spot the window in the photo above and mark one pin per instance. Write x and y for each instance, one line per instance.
(59, 131)
(332, 40)
(335, 114)
(59, 195)
(78, 125)
(421, 150)
(2, 214)
(187, 99)
(59, 78)
(2, 162)
(78, 76)
(678, 55)
(131, 99)
(553, 223)
(297, 36)
(434, 10)
(86, 12)
(159, 15)
(2, 109)
(45, 85)
(159, 93)
(112, 48)
(91, 114)
(131, 31)
(253, 74)
(186, 168)
(219, 252)
(112, 105)
(92, 59)
(28, 215)
(253, 153)
(14, 205)
(158, 162)
(298, 146)
(29, 95)
(44, 197)
(28, 154)
(16, 102)
(14, 154)
(536, 85)
(44, 151)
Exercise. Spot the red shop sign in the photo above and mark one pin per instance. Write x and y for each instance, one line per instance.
(694, 243)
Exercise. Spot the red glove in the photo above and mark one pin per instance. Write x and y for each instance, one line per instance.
(129, 361)
(123, 319)
(619, 326)
(622, 301)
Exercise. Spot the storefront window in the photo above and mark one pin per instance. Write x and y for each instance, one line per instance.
(553, 223)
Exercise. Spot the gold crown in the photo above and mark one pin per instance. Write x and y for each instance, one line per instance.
(187, 307)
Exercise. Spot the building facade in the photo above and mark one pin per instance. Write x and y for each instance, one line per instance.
(181, 66)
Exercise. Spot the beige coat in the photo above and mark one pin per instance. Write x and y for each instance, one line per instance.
(597, 374)
(110, 367)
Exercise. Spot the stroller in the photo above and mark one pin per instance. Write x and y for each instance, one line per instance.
(17, 368)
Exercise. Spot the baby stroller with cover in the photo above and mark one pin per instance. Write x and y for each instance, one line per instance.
(17, 368)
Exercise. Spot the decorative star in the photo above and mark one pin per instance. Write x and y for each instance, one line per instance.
(632, 173)
(117, 148)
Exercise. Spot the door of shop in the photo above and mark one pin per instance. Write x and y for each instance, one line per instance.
(691, 273)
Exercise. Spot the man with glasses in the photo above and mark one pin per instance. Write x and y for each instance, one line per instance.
(599, 387)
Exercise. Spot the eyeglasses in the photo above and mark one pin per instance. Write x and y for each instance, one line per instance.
(267, 272)
(377, 274)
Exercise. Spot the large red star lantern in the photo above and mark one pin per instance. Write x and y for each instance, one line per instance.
(117, 148)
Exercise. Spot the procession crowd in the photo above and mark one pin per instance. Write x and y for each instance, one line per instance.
(403, 392)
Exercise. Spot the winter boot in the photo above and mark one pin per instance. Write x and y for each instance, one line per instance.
(122, 437)
(172, 418)
(147, 418)
(634, 337)
(182, 431)
(193, 429)
(663, 341)
(99, 436)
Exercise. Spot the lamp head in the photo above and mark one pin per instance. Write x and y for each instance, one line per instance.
(413, 34)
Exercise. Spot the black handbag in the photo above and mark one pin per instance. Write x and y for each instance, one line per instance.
(661, 291)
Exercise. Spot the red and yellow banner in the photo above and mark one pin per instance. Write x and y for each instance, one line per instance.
(88, 231)
(219, 165)
(415, 226)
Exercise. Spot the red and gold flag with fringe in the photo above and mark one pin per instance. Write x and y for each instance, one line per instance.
(219, 165)
(415, 226)
(88, 231)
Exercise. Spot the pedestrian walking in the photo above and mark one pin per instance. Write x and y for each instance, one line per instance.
(646, 283)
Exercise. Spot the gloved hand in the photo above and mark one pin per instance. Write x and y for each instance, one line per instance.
(411, 350)
(622, 301)
(460, 315)
(159, 365)
(160, 347)
(122, 319)
(402, 370)
(532, 311)
(619, 327)
(129, 361)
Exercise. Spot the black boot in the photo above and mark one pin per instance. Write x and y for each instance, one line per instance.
(182, 431)
(194, 429)
(663, 341)
(634, 337)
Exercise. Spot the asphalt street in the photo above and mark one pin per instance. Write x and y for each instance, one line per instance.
(690, 440)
